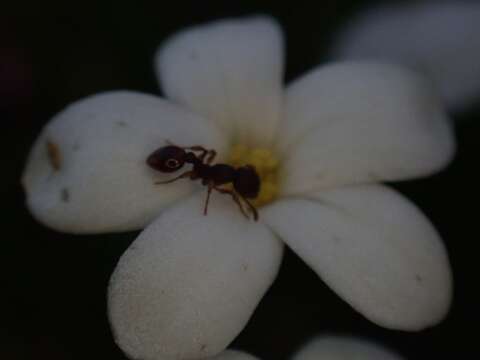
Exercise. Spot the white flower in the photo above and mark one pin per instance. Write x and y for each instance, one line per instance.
(189, 283)
(328, 347)
(438, 38)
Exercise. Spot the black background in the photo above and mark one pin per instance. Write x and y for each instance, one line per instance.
(53, 285)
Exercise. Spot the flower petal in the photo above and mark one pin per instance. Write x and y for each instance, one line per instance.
(234, 355)
(230, 71)
(87, 170)
(374, 248)
(362, 122)
(188, 285)
(343, 348)
(439, 39)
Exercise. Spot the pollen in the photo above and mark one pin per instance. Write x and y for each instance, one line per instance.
(266, 164)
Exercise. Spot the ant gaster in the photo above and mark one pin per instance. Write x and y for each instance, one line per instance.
(245, 180)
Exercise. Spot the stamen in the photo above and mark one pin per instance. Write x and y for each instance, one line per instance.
(266, 164)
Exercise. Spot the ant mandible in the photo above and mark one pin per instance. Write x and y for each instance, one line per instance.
(245, 180)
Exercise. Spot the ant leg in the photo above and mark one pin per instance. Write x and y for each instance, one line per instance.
(193, 148)
(235, 198)
(210, 187)
(252, 209)
(203, 151)
(209, 154)
(196, 148)
(189, 173)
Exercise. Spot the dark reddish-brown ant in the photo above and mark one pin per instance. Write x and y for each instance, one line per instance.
(245, 180)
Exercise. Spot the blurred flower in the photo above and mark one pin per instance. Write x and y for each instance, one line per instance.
(329, 347)
(343, 348)
(188, 284)
(438, 38)
(234, 355)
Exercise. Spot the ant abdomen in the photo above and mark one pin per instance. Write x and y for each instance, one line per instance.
(247, 182)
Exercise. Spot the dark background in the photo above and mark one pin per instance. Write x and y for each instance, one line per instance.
(53, 285)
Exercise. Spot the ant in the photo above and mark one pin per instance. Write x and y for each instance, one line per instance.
(245, 180)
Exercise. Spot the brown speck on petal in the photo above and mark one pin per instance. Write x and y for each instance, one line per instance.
(54, 156)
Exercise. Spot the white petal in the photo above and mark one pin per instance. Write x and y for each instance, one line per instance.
(362, 122)
(189, 284)
(372, 247)
(440, 39)
(231, 72)
(234, 355)
(103, 183)
(343, 348)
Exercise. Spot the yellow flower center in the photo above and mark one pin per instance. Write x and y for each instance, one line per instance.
(266, 164)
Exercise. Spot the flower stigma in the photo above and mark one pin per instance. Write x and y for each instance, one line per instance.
(266, 164)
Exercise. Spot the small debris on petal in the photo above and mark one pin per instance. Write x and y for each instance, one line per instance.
(65, 195)
(121, 123)
(54, 156)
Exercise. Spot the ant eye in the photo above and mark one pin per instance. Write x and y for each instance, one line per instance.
(172, 163)
(167, 159)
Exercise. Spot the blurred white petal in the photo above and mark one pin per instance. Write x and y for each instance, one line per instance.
(234, 355)
(231, 72)
(188, 285)
(103, 183)
(440, 39)
(374, 248)
(343, 348)
(362, 122)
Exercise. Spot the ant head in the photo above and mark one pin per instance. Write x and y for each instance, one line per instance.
(167, 159)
